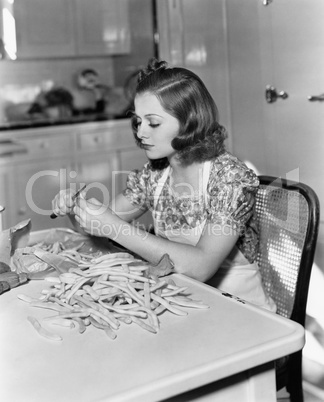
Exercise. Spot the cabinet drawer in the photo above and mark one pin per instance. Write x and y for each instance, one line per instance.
(42, 146)
(99, 140)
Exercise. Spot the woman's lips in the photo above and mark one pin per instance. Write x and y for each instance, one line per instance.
(146, 146)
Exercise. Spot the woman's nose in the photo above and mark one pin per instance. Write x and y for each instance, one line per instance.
(141, 132)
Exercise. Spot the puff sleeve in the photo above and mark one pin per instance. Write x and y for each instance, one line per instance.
(232, 192)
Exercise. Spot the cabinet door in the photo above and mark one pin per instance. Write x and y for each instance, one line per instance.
(102, 27)
(131, 159)
(100, 172)
(36, 185)
(44, 28)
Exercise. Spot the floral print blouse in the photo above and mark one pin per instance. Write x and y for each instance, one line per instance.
(230, 198)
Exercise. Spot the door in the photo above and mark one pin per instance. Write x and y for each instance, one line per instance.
(292, 50)
(291, 34)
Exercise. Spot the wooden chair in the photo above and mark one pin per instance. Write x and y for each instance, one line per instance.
(288, 219)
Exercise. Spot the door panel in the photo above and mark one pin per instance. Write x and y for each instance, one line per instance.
(292, 41)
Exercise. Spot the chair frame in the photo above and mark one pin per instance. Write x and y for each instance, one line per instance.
(290, 374)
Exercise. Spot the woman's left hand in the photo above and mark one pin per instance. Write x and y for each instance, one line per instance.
(94, 217)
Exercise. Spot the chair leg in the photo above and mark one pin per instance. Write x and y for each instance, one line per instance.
(295, 384)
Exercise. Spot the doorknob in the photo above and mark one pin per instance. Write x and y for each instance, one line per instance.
(316, 98)
(272, 95)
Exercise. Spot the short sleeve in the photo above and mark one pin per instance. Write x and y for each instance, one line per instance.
(139, 187)
(232, 191)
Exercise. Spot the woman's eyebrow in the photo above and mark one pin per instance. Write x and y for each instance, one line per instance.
(153, 115)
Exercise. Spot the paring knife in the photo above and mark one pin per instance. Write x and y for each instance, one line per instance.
(53, 215)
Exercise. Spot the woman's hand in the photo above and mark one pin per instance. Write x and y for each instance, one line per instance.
(94, 217)
(63, 202)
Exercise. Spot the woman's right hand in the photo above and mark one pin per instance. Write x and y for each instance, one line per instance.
(63, 203)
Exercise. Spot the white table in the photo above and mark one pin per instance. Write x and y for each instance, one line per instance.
(231, 344)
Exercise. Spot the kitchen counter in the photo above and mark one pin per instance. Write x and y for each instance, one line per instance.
(35, 123)
(222, 344)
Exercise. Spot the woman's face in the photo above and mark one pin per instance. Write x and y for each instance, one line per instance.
(156, 127)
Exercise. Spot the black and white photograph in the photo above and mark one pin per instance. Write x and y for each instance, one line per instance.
(161, 229)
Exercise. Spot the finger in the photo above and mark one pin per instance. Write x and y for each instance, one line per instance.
(80, 216)
(68, 198)
(63, 203)
(58, 206)
(80, 203)
(83, 193)
(94, 201)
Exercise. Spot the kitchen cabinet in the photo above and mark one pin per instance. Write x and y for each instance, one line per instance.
(57, 157)
(100, 173)
(36, 173)
(47, 29)
(36, 184)
(102, 27)
(44, 28)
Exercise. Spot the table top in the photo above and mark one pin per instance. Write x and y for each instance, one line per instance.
(188, 352)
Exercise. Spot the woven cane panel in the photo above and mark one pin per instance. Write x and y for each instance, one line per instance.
(282, 217)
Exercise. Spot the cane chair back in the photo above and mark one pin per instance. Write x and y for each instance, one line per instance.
(288, 217)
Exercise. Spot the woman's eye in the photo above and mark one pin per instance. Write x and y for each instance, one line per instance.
(154, 125)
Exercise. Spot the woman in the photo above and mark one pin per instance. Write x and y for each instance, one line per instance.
(201, 197)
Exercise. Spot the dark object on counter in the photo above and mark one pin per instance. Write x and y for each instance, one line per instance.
(56, 103)
(100, 106)
(13, 279)
(4, 286)
(4, 267)
(88, 79)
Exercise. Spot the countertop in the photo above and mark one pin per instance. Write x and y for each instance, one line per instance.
(34, 123)
(188, 352)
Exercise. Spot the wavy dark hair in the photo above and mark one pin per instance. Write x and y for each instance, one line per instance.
(183, 95)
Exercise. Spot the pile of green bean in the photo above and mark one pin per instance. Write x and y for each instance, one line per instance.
(107, 291)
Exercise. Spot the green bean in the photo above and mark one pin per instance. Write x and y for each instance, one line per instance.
(144, 325)
(164, 303)
(184, 303)
(42, 331)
